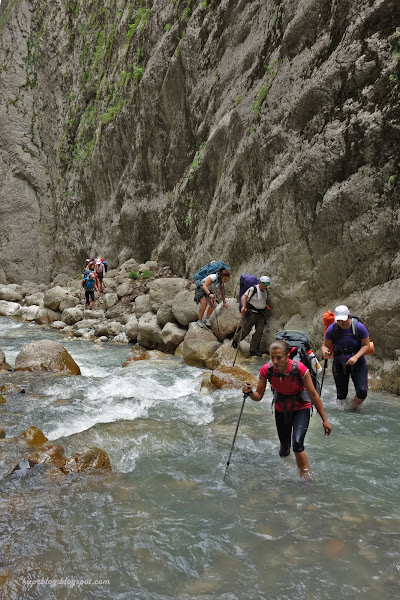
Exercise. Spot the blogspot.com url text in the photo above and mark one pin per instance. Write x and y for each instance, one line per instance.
(64, 582)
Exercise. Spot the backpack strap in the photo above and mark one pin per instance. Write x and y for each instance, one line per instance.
(354, 323)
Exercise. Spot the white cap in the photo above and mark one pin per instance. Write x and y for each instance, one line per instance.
(265, 280)
(98, 261)
(341, 313)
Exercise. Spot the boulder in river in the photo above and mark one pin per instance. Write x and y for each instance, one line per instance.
(46, 355)
(140, 353)
(89, 458)
(9, 389)
(54, 296)
(198, 346)
(162, 290)
(8, 309)
(33, 436)
(184, 308)
(232, 377)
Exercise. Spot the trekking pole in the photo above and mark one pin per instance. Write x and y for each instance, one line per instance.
(323, 374)
(234, 437)
(219, 331)
(237, 349)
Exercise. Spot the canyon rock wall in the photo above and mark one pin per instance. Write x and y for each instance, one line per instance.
(262, 133)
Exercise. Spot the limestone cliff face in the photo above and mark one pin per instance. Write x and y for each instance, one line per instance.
(264, 133)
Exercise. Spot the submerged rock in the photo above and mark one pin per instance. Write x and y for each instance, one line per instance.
(140, 353)
(9, 389)
(89, 458)
(46, 355)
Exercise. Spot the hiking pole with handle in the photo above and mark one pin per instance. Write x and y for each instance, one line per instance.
(234, 437)
(323, 375)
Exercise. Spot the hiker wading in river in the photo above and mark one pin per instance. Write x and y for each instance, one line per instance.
(293, 391)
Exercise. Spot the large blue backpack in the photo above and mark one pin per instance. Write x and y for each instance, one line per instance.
(88, 282)
(215, 266)
(246, 281)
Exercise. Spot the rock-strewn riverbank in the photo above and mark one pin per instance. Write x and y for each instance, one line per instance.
(142, 304)
(145, 305)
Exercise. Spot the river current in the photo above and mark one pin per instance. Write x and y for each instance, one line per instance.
(164, 525)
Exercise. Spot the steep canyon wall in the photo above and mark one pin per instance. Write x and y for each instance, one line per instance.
(264, 133)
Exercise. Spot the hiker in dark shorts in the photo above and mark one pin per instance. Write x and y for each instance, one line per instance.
(205, 295)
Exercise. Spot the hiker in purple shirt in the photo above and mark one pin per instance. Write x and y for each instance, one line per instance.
(349, 340)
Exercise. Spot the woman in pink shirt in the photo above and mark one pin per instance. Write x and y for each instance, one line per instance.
(293, 391)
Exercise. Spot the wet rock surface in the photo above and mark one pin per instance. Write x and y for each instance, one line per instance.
(46, 355)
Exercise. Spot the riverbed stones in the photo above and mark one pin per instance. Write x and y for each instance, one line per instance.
(162, 290)
(54, 296)
(10, 295)
(28, 313)
(184, 308)
(9, 389)
(225, 356)
(58, 325)
(149, 328)
(125, 289)
(139, 353)
(46, 355)
(88, 458)
(165, 314)
(72, 315)
(118, 313)
(68, 302)
(142, 305)
(110, 299)
(198, 345)
(172, 335)
(232, 377)
(49, 454)
(46, 316)
(33, 436)
(132, 328)
(34, 299)
(225, 321)
(9, 309)
(109, 328)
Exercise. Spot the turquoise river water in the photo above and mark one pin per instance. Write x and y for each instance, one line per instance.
(164, 525)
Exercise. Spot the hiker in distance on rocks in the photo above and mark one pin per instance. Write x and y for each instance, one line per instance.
(89, 284)
(293, 391)
(350, 341)
(99, 269)
(206, 295)
(254, 312)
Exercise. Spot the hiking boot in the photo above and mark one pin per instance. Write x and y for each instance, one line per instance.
(200, 323)
(207, 323)
(255, 353)
(234, 344)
